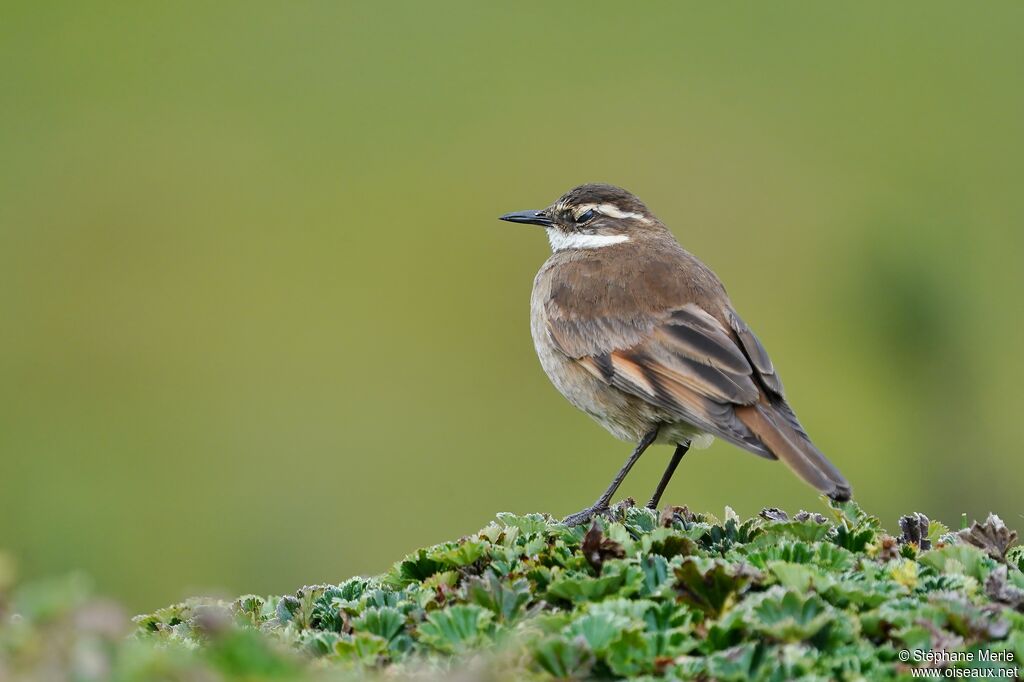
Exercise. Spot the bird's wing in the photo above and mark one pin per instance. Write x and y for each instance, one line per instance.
(684, 362)
(711, 373)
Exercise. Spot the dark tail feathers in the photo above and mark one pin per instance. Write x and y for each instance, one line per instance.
(787, 441)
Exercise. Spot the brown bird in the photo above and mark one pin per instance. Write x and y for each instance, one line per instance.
(638, 333)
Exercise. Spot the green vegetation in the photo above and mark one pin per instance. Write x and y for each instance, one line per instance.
(674, 595)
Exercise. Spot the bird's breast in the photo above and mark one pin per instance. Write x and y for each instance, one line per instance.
(624, 415)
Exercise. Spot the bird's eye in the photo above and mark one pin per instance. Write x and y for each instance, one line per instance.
(586, 216)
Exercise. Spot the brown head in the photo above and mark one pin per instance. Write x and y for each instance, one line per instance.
(591, 216)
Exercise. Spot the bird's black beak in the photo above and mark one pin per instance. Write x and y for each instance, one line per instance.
(528, 217)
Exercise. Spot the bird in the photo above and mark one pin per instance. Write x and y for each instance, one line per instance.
(641, 335)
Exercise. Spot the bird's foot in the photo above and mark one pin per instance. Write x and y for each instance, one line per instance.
(599, 509)
(582, 517)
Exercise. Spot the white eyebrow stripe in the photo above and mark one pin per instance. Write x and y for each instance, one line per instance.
(610, 210)
(583, 208)
(560, 241)
(614, 211)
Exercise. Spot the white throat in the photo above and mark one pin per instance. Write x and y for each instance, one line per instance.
(560, 241)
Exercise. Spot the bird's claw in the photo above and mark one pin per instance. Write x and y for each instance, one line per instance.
(584, 516)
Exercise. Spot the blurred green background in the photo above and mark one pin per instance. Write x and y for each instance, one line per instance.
(260, 327)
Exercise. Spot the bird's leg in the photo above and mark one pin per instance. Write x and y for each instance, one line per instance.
(601, 506)
(665, 477)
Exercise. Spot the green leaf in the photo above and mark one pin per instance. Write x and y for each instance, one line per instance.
(362, 647)
(583, 588)
(713, 588)
(414, 568)
(800, 577)
(668, 543)
(461, 554)
(319, 643)
(506, 600)
(736, 664)
(936, 529)
(807, 531)
(598, 629)
(1015, 557)
(633, 609)
(895, 614)
(862, 593)
(457, 628)
(656, 579)
(563, 659)
(251, 608)
(832, 557)
(786, 616)
(768, 548)
(640, 519)
(667, 616)
(853, 539)
(719, 539)
(851, 515)
(442, 578)
(289, 609)
(528, 524)
(959, 558)
(630, 654)
(385, 622)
